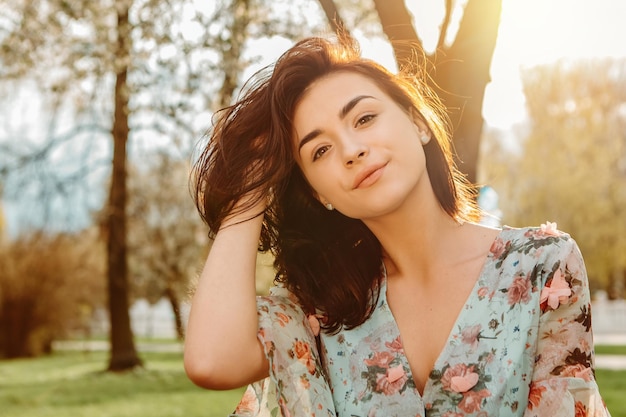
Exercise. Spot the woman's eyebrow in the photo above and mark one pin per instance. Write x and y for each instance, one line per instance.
(350, 105)
(312, 135)
(342, 115)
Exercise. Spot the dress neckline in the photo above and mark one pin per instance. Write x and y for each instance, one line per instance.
(470, 298)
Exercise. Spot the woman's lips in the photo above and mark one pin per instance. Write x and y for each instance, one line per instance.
(368, 176)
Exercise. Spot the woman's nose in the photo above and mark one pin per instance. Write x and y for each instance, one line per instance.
(354, 151)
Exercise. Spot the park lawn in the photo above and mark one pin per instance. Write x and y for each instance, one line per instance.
(610, 350)
(613, 389)
(72, 384)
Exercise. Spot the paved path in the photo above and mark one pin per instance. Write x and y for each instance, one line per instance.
(609, 339)
(611, 362)
(100, 345)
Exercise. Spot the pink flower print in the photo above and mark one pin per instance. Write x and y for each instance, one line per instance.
(395, 346)
(459, 376)
(557, 292)
(470, 335)
(483, 292)
(580, 409)
(535, 395)
(395, 373)
(304, 382)
(472, 401)
(385, 386)
(302, 350)
(282, 318)
(519, 291)
(249, 402)
(578, 371)
(314, 323)
(549, 229)
(380, 359)
(464, 383)
(498, 247)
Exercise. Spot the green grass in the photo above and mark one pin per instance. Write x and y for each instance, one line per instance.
(613, 388)
(72, 384)
(610, 350)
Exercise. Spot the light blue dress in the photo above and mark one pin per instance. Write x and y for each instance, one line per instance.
(521, 346)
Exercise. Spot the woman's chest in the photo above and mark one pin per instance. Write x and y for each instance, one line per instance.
(485, 363)
(425, 318)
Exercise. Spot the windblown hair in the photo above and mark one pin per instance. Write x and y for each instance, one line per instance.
(332, 263)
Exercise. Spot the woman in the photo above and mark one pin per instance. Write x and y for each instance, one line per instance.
(344, 171)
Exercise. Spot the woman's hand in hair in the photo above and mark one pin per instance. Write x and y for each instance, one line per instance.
(252, 203)
(250, 206)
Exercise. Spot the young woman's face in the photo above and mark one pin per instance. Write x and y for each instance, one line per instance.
(358, 149)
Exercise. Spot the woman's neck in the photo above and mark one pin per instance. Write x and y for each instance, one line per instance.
(417, 247)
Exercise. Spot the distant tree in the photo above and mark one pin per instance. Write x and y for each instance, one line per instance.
(167, 240)
(50, 286)
(458, 72)
(571, 168)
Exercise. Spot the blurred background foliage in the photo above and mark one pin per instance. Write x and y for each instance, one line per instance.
(569, 165)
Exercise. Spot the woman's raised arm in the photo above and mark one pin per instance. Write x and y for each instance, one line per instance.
(221, 347)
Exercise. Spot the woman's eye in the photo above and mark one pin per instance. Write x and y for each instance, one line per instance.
(320, 152)
(365, 119)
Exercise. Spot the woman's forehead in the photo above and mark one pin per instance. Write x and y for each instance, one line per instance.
(341, 81)
(335, 90)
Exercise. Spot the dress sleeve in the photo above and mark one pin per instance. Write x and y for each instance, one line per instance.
(296, 385)
(563, 382)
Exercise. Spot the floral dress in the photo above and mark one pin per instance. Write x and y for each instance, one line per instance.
(521, 346)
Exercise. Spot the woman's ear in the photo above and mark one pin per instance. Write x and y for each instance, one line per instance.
(423, 132)
(324, 202)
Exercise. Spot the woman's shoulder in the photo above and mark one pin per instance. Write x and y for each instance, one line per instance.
(542, 235)
(535, 242)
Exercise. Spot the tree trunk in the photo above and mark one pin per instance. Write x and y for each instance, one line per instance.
(459, 73)
(123, 353)
(231, 56)
(332, 15)
(617, 283)
(397, 25)
(178, 319)
(462, 74)
(15, 314)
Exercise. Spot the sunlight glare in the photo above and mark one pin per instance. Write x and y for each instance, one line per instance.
(535, 32)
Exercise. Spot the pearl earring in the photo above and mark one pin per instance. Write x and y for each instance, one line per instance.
(329, 207)
(424, 138)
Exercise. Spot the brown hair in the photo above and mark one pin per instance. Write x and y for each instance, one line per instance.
(332, 263)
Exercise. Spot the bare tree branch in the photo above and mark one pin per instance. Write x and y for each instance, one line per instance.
(443, 33)
(333, 16)
(397, 24)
